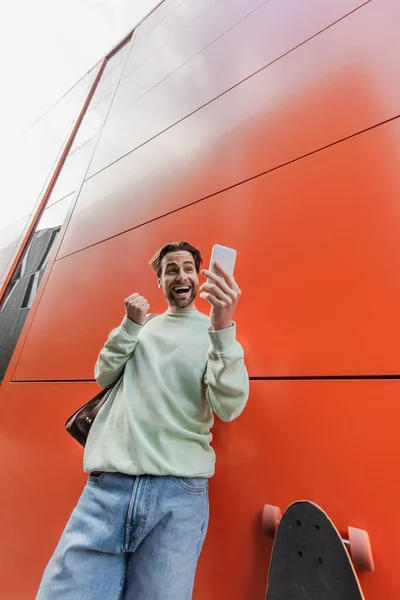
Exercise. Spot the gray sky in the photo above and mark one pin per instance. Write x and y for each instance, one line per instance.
(47, 45)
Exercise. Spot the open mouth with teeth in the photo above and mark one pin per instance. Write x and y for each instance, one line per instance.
(181, 290)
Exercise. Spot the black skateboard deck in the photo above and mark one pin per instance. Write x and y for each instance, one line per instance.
(309, 559)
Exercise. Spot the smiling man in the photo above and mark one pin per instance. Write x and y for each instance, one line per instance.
(139, 526)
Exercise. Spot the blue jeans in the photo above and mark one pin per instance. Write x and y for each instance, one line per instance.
(130, 538)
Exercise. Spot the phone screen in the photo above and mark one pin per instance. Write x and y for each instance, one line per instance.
(225, 256)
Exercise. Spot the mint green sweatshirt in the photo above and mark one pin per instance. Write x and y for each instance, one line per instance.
(157, 419)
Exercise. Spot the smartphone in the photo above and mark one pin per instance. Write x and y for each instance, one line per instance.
(225, 256)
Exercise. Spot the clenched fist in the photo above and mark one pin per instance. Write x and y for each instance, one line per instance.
(136, 308)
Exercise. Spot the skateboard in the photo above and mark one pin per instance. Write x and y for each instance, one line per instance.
(310, 560)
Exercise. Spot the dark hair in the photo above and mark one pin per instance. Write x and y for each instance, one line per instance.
(155, 262)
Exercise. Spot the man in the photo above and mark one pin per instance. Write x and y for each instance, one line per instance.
(139, 526)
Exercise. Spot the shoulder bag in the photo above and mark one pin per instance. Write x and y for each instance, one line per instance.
(78, 425)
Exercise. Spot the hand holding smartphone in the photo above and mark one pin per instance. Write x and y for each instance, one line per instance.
(222, 292)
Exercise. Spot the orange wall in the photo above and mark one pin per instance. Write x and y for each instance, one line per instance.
(271, 127)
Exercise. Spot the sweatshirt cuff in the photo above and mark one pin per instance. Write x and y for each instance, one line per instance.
(129, 328)
(223, 340)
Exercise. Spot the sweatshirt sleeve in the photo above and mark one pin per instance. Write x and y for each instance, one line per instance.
(116, 352)
(226, 376)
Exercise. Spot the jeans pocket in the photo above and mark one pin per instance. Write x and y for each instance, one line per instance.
(195, 485)
(96, 476)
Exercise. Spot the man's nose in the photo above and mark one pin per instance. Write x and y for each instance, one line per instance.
(182, 276)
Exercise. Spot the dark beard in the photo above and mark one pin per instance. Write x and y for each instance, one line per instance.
(174, 299)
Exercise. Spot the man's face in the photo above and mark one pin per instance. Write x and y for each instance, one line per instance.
(179, 280)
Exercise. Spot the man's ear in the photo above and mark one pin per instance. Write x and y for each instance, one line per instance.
(159, 283)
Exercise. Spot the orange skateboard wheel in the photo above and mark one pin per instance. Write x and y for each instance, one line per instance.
(270, 519)
(360, 549)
